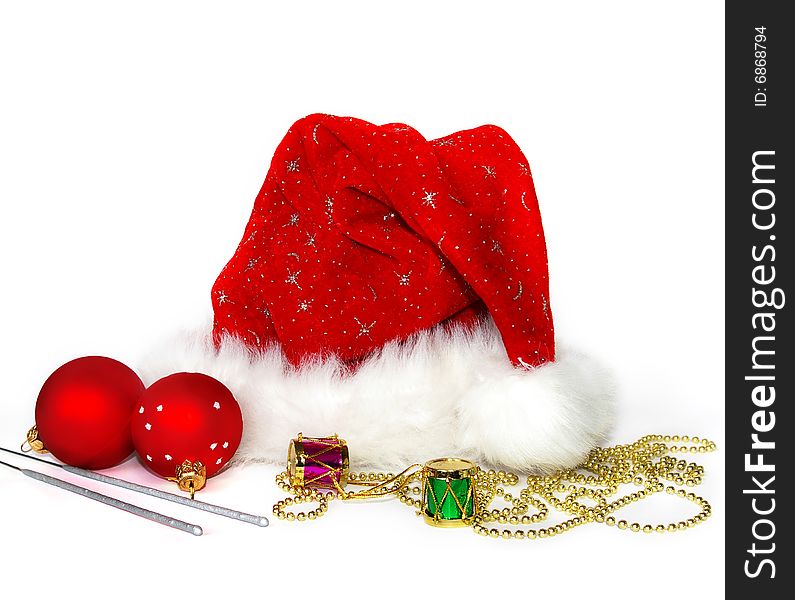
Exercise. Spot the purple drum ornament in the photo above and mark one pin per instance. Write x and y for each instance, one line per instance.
(320, 462)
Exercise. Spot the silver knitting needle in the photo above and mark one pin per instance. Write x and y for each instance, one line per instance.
(128, 485)
(120, 504)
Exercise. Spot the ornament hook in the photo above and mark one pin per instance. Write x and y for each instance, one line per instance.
(32, 442)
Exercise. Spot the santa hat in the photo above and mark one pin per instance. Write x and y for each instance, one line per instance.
(394, 290)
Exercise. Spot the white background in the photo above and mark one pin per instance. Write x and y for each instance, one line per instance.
(132, 143)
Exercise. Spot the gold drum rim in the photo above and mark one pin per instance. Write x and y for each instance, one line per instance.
(455, 468)
(296, 461)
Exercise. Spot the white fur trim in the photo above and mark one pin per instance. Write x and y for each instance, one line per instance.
(443, 393)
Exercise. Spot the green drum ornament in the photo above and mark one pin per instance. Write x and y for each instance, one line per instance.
(448, 492)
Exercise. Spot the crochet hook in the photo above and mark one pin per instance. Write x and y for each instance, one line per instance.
(129, 485)
(115, 503)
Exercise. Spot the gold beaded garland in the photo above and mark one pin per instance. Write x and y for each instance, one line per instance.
(646, 464)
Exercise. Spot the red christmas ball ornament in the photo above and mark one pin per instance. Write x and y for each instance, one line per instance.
(83, 413)
(186, 427)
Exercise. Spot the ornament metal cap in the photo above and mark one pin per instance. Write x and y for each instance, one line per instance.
(190, 477)
(32, 442)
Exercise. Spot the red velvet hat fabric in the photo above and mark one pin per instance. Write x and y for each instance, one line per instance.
(362, 234)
